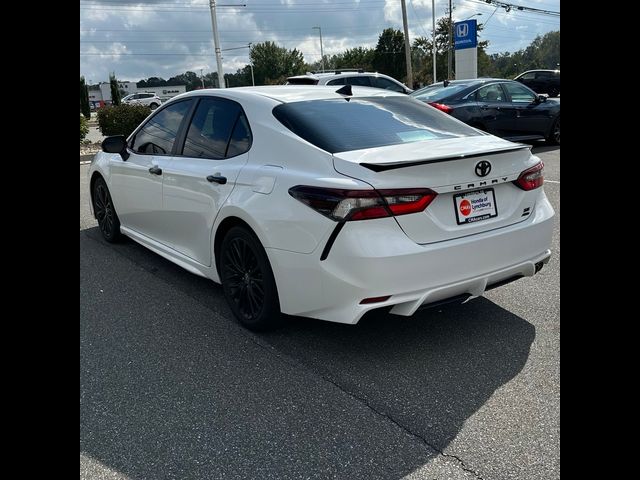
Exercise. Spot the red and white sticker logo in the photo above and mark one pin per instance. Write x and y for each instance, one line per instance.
(465, 207)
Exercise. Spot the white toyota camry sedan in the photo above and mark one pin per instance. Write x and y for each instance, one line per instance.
(325, 203)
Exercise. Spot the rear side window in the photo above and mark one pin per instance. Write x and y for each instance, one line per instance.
(302, 81)
(215, 127)
(528, 76)
(337, 81)
(240, 137)
(335, 125)
(358, 81)
(159, 134)
(381, 82)
(490, 93)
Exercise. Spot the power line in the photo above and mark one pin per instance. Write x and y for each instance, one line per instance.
(510, 6)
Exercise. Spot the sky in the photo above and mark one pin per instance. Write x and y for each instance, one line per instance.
(163, 38)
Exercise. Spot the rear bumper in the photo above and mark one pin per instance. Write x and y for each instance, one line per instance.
(375, 258)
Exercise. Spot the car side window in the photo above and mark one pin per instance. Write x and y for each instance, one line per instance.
(528, 76)
(490, 93)
(240, 138)
(387, 84)
(158, 135)
(358, 81)
(337, 81)
(215, 128)
(519, 93)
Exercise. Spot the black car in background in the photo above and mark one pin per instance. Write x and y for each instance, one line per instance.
(504, 108)
(541, 81)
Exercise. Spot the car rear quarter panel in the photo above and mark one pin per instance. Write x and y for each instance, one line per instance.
(279, 160)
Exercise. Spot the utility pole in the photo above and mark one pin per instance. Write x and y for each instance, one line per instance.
(253, 82)
(407, 45)
(321, 49)
(216, 42)
(433, 46)
(450, 42)
(202, 78)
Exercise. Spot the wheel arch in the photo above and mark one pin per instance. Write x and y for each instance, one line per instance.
(229, 218)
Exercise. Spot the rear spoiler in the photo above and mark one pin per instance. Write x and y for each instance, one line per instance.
(381, 167)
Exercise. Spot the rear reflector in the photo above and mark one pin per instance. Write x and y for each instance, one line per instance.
(375, 300)
(531, 178)
(442, 107)
(344, 205)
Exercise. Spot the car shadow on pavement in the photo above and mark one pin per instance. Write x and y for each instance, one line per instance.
(428, 373)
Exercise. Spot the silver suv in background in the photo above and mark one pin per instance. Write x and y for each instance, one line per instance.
(350, 77)
(149, 99)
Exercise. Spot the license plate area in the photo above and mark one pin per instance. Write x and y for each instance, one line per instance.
(475, 206)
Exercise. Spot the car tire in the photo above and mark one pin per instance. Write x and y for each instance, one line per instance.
(153, 106)
(554, 134)
(105, 212)
(247, 281)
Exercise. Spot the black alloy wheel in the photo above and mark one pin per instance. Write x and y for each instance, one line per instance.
(247, 280)
(105, 212)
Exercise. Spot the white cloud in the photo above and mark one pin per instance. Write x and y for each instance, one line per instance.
(167, 37)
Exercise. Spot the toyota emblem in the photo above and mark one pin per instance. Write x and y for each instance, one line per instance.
(483, 168)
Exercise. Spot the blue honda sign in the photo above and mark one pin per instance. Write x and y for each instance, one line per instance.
(464, 34)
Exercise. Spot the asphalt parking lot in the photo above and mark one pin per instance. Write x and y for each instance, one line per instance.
(172, 388)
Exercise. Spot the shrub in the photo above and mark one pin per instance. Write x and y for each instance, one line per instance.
(121, 119)
(84, 127)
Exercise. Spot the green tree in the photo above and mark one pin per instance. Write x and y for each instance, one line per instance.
(84, 128)
(272, 64)
(542, 52)
(388, 56)
(358, 57)
(115, 90)
(85, 109)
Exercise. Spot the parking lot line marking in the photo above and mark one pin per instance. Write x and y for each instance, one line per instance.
(552, 181)
(85, 162)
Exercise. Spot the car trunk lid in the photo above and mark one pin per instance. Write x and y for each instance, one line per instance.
(472, 175)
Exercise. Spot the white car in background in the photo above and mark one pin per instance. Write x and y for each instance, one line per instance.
(323, 203)
(358, 78)
(149, 99)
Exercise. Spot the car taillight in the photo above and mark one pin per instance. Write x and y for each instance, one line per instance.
(342, 205)
(531, 178)
(442, 107)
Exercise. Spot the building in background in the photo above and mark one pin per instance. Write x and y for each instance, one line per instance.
(100, 94)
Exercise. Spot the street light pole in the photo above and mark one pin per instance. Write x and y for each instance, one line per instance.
(433, 45)
(253, 82)
(202, 78)
(407, 45)
(216, 43)
(450, 46)
(321, 49)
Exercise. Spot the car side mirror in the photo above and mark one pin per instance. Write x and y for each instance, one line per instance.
(116, 144)
(541, 98)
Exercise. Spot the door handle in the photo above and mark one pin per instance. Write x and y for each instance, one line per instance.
(484, 107)
(217, 179)
(155, 170)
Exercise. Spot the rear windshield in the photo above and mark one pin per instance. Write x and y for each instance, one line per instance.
(337, 125)
(438, 92)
